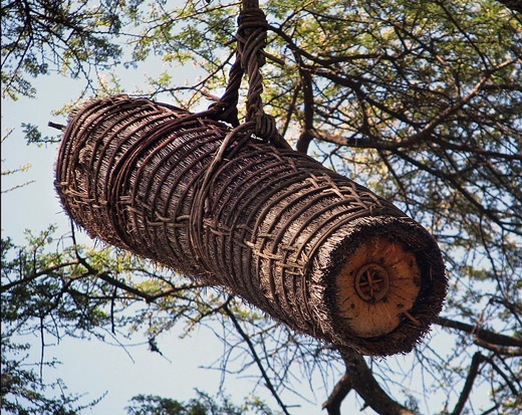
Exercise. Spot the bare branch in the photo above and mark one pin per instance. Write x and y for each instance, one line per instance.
(482, 334)
(256, 358)
(362, 380)
(501, 350)
(477, 359)
(341, 390)
(306, 137)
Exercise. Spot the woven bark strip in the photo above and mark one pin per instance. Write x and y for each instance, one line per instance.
(310, 247)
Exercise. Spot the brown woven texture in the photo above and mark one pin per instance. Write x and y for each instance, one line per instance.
(272, 226)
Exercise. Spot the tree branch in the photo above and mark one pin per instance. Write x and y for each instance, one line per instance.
(423, 134)
(389, 145)
(500, 350)
(482, 334)
(33, 276)
(362, 380)
(306, 137)
(333, 403)
(477, 359)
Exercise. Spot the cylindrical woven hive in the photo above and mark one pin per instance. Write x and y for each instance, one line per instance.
(310, 247)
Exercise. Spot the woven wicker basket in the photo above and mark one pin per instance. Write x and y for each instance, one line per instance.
(310, 247)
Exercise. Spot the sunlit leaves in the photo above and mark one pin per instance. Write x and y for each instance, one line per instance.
(203, 404)
(41, 36)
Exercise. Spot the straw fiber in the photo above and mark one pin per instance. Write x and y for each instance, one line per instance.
(312, 248)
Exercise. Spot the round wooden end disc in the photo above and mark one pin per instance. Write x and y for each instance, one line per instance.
(378, 287)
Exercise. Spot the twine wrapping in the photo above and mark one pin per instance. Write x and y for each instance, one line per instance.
(310, 247)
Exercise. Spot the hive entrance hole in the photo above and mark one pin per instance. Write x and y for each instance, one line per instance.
(372, 283)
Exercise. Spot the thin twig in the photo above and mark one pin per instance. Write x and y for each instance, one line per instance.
(259, 364)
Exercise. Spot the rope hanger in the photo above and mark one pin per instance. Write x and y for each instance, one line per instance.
(251, 40)
(250, 57)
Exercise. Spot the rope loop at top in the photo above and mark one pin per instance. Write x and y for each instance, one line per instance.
(251, 40)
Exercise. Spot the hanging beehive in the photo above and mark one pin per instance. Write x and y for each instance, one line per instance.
(310, 247)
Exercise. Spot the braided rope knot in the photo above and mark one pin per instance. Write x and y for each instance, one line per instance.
(251, 34)
(250, 57)
(252, 39)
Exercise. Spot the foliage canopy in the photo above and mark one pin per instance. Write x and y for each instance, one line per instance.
(419, 101)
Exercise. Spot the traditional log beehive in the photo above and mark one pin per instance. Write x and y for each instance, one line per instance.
(310, 247)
